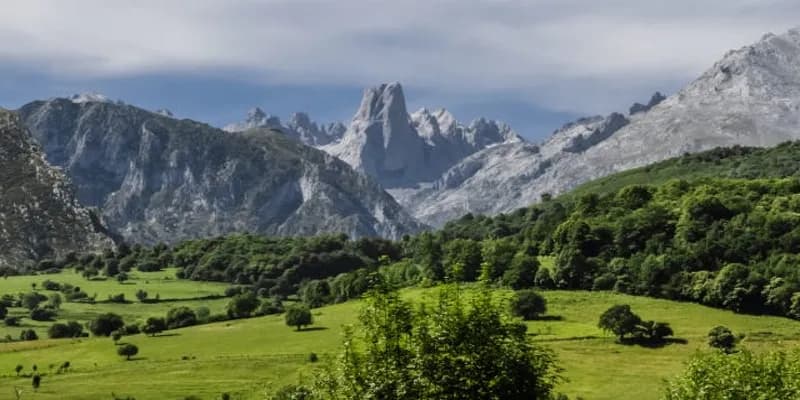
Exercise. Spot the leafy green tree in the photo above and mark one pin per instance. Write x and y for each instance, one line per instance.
(528, 304)
(316, 293)
(180, 317)
(127, 350)
(122, 277)
(141, 295)
(18, 369)
(243, 305)
(466, 254)
(453, 350)
(299, 316)
(3, 311)
(32, 300)
(498, 254)
(106, 324)
(720, 337)
(54, 301)
(522, 273)
(739, 376)
(36, 381)
(154, 326)
(619, 320)
(69, 330)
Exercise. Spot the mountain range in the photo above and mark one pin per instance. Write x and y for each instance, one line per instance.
(155, 178)
(750, 97)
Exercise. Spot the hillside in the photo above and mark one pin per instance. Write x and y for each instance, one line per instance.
(724, 162)
(39, 215)
(160, 179)
(250, 357)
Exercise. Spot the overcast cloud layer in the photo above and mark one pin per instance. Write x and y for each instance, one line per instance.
(579, 56)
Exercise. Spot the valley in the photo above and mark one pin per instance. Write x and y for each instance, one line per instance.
(250, 357)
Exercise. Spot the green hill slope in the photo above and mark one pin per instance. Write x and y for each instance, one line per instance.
(248, 358)
(729, 162)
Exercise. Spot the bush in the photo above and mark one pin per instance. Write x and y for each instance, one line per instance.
(528, 304)
(11, 321)
(28, 334)
(243, 305)
(154, 326)
(50, 285)
(722, 338)
(739, 376)
(132, 329)
(42, 314)
(299, 316)
(70, 330)
(106, 324)
(128, 350)
(117, 298)
(181, 317)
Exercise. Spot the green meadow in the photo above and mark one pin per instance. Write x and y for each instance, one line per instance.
(250, 358)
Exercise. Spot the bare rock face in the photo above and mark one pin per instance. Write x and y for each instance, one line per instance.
(751, 97)
(299, 127)
(406, 151)
(160, 179)
(39, 215)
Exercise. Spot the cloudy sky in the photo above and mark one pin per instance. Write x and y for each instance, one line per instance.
(532, 63)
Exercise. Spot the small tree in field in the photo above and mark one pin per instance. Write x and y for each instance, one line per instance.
(36, 382)
(722, 338)
(18, 369)
(154, 326)
(141, 295)
(528, 304)
(116, 336)
(619, 320)
(128, 351)
(299, 316)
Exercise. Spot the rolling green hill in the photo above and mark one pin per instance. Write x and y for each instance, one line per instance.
(248, 358)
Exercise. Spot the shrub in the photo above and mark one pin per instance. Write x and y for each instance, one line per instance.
(141, 295)
(154, 326)
(28, 334)
(131, 329)
(42, 314)
(722, 338)
(528, 304)
(128, 350)
(70, 330)
(11, 321)
(181, 317)
(117, 298)
(740, 376)
(299, 316)
(105, 324)
(243, 305)
(50, 285)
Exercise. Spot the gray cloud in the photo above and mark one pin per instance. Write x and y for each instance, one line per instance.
(573, 55)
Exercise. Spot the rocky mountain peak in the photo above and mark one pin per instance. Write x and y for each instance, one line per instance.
(384, 102)
(91, 97)
(654, 100)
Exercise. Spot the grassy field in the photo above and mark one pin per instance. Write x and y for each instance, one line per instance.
(172, 292)
(249, 358)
